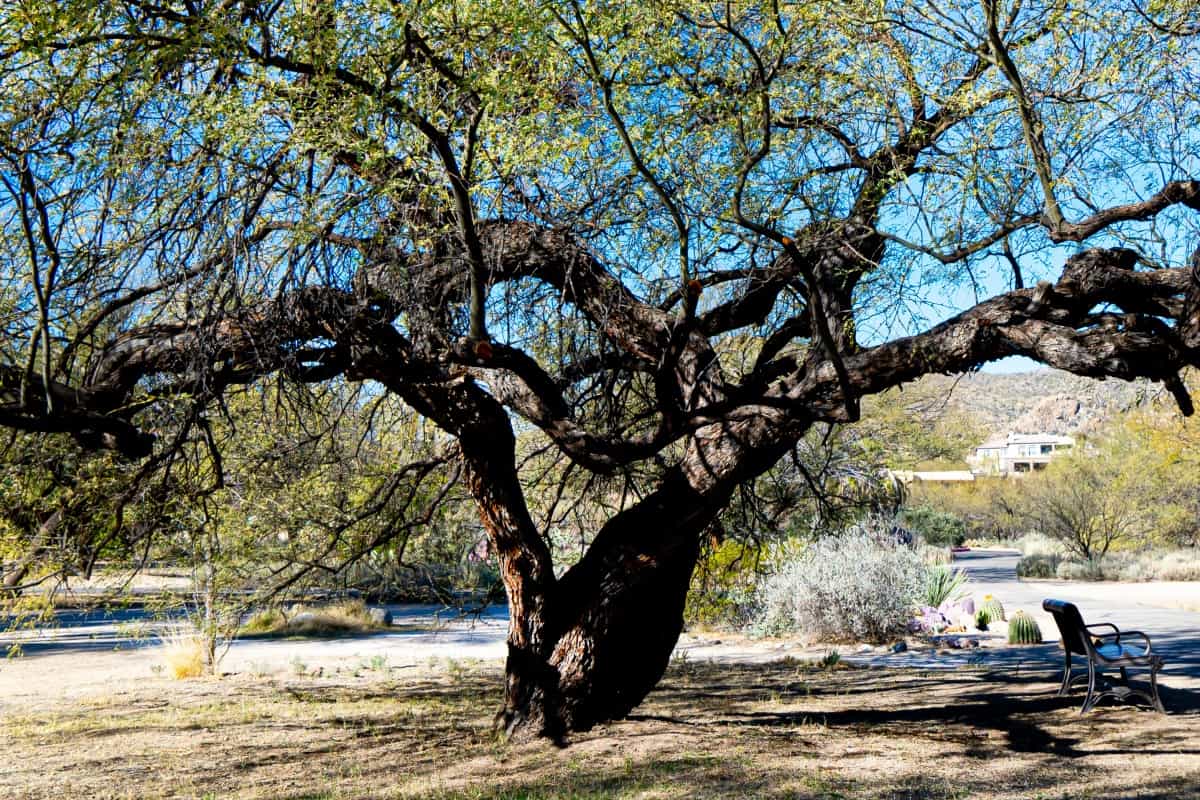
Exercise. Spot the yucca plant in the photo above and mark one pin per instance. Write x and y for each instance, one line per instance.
(943, 583)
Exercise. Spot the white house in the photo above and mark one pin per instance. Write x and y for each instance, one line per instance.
(1017, 453)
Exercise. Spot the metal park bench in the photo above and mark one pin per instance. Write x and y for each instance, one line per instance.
(1104, 651)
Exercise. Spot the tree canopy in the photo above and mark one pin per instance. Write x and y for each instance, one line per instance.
(668, 238)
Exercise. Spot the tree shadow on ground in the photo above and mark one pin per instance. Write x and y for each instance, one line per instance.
(1023, 709)
(773, 730)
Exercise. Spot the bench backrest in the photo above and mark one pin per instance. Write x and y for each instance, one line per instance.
(1070, 625)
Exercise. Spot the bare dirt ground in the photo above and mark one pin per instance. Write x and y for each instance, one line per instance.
(781, 730)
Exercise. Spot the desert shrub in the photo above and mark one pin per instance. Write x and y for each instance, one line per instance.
(1076, 570)
(859, 585)
(1180, 565)
(986, 506)
(1090, 502)
(1151, 565)
(1128, 567)
(937, 528)
(265, 621)
(1039, 566)
(347, 617)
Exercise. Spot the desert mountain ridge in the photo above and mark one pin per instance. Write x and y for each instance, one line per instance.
(1038, 401)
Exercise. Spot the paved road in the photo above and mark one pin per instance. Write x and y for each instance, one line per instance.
(420, 632)
(424, 632)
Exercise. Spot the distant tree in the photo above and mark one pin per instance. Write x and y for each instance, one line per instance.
(1087, 502)
(939, 528)
(567, 221)
(1157, 455)
(912, 429)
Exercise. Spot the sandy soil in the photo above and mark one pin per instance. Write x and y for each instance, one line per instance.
(777, 730)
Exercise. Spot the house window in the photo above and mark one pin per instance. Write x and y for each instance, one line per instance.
(1047, 449)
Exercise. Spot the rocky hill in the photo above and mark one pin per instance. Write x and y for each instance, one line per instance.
(1039, 401)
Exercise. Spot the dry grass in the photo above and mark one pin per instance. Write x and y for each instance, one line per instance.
(184, 654)
(337, 619)
(783, 730)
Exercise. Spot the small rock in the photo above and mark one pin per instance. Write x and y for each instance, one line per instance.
(865, 648)
(380, 616)
(303, 618)
(899, 647)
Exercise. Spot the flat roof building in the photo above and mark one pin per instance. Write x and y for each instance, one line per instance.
(1017, 453)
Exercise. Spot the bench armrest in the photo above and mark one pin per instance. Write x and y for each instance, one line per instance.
(1138, 635)
(1115, 635)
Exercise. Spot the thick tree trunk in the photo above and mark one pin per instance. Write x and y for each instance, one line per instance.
(612, 621)
(624, 605)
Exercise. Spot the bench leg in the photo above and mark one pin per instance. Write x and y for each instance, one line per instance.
(1066, 681)
(1124, 676)
(1090, 699)
(1154, 690)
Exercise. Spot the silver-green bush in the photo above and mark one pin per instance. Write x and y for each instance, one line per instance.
(857, 585)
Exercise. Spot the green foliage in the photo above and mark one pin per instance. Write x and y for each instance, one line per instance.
(987, 507)
(723, 584)
(943, 583)
(937, 528)
(1089, 501)
(265, 621)
(830, 660)
(1023, 629)
(911, 429)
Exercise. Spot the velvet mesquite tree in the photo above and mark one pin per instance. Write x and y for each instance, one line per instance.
(668, 239)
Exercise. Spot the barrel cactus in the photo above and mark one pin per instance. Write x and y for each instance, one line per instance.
(993, 607)
(1023, 629)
